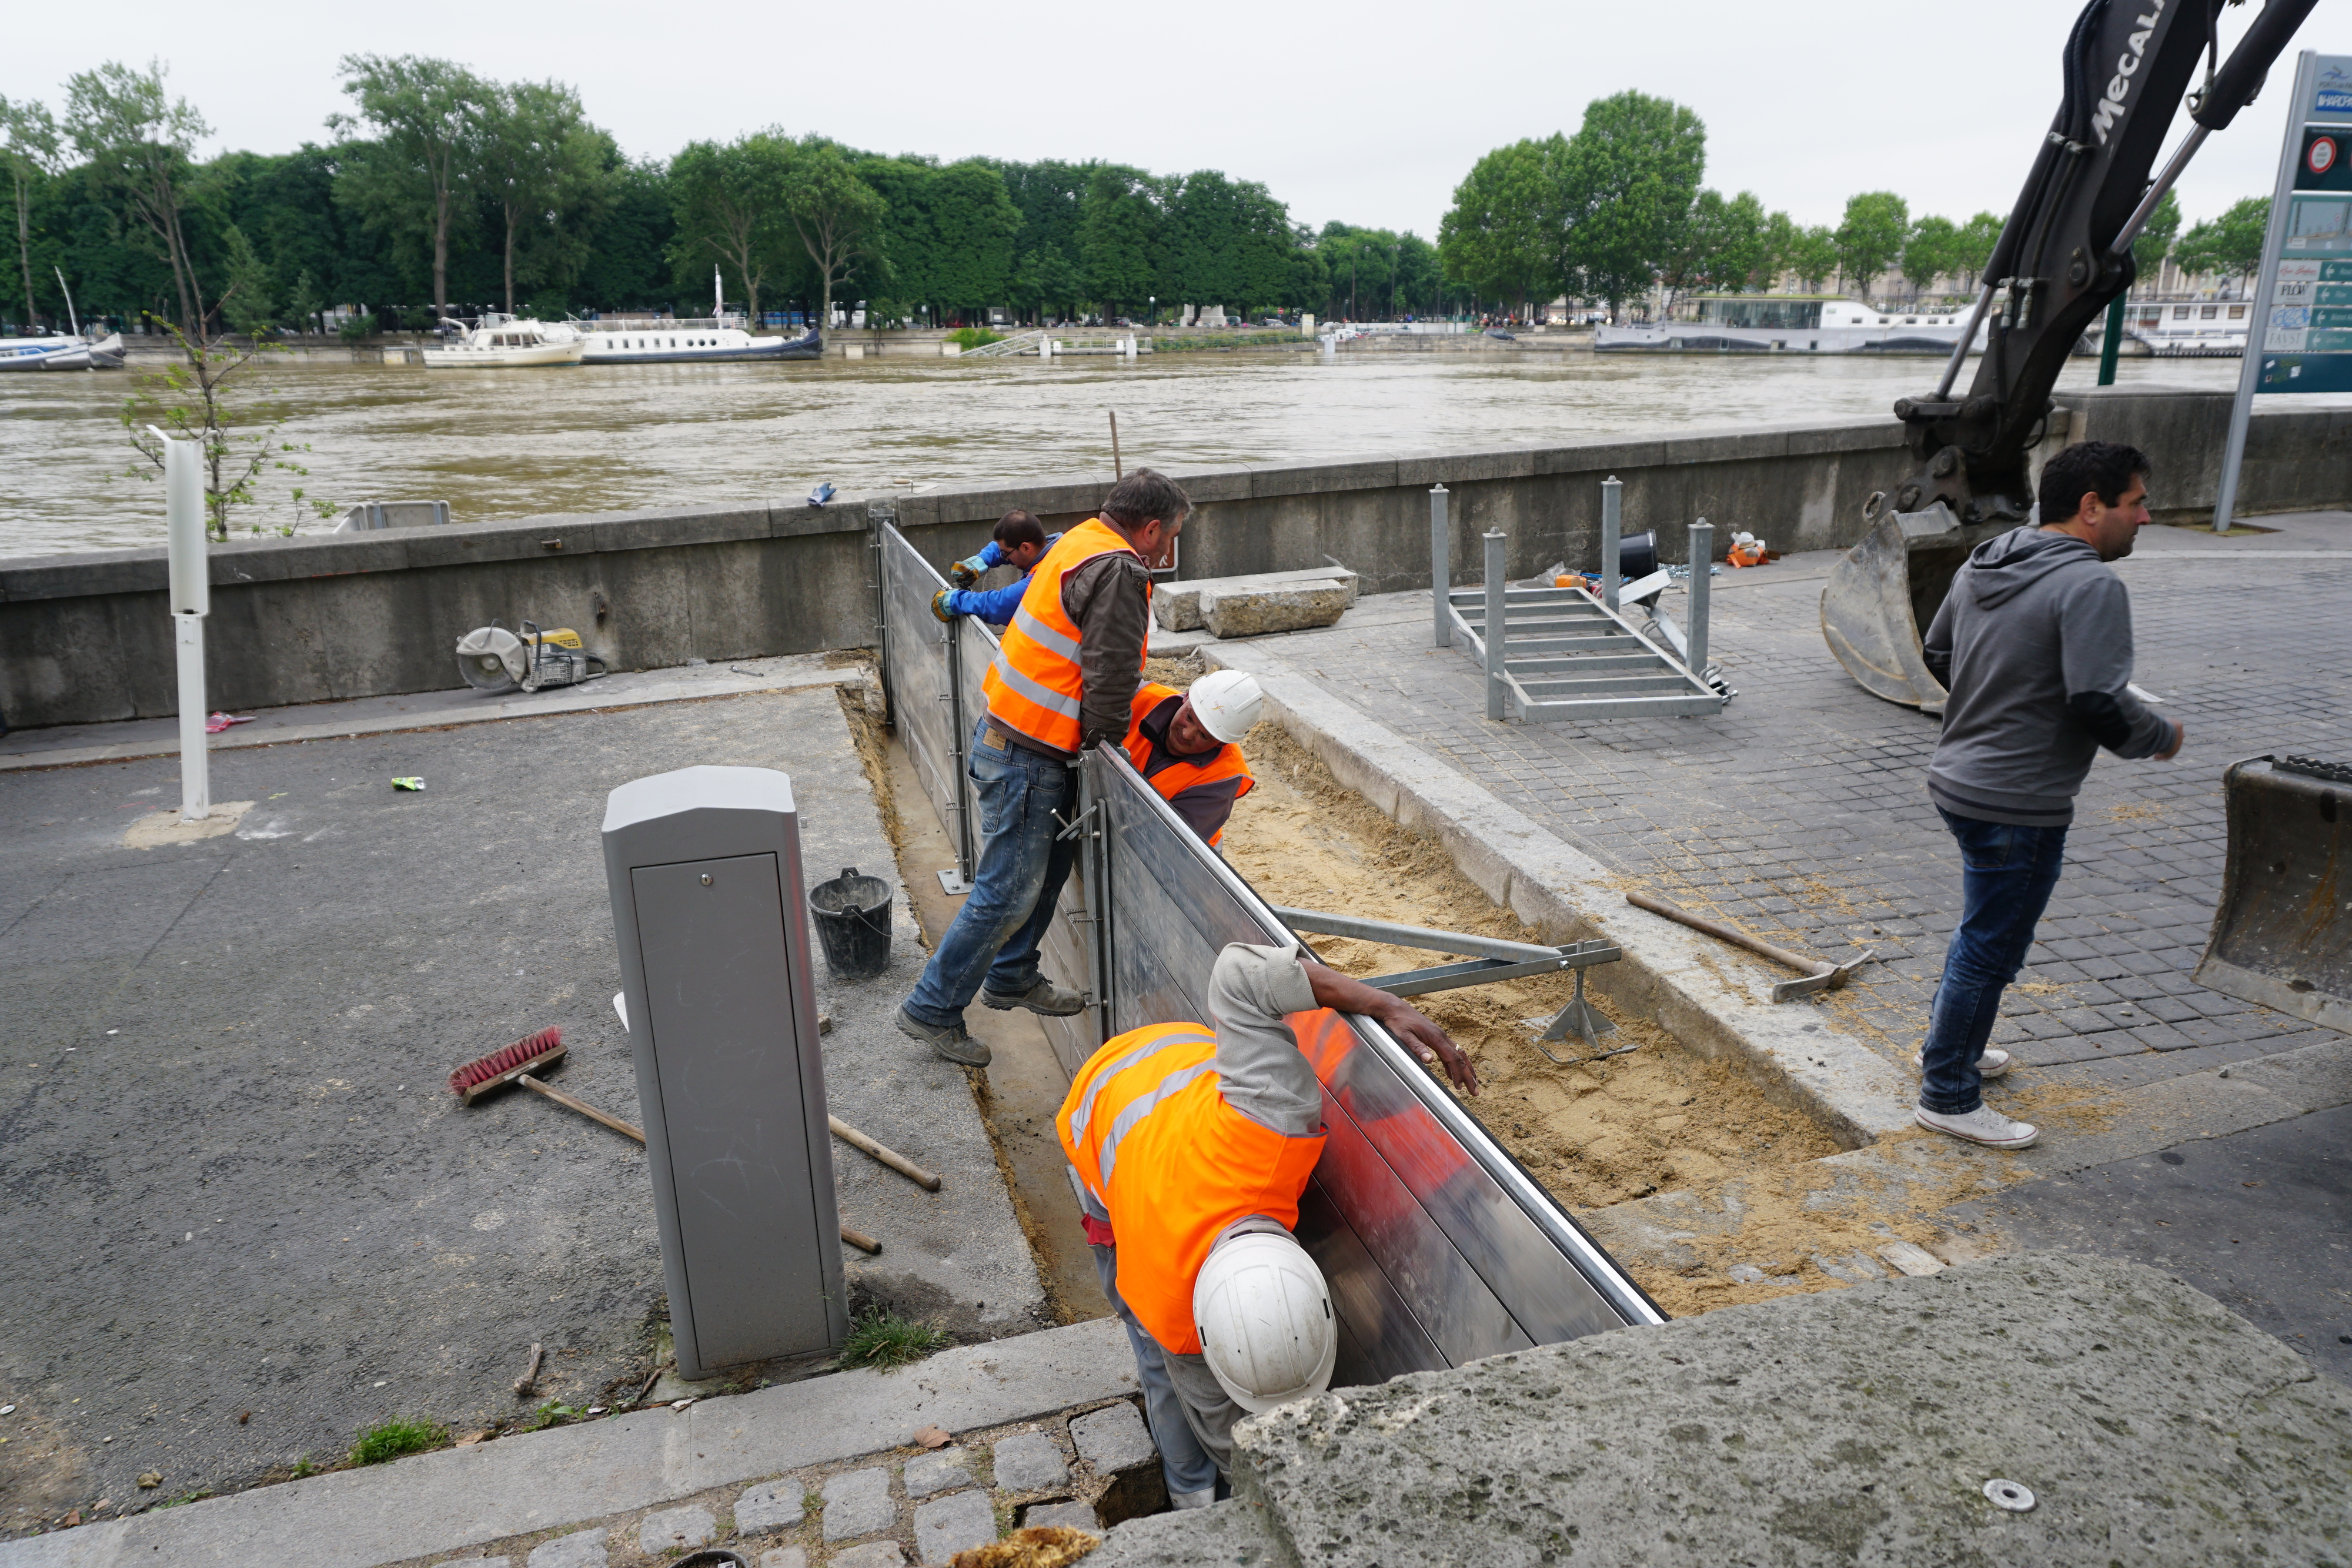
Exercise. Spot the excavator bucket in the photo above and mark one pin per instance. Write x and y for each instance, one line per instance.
(2282, 932)
(1881, 596)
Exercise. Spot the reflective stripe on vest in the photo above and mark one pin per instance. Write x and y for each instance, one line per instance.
(1152, 1137)
(1035, 683)
(1183, 772)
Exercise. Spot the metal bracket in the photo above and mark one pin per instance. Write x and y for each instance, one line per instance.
(1074, 823)
(1588, 1024)
(952, 883)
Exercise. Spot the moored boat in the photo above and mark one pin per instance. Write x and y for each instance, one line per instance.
(501, 343)
(1789, 323)
(62, 353)
(642, 340)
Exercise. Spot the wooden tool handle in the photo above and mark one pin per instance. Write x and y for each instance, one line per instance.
(883, 1152)
(1716, 929)
(561, 1098)
(860, 1240)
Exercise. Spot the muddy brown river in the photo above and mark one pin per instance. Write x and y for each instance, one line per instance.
(507, 443)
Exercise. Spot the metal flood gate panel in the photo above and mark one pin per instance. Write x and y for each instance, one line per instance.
(1439, 1247)
(924, 697)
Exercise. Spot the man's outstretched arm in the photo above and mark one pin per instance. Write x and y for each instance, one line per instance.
(1419, 1033)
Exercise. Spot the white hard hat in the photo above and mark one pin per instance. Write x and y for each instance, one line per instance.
(1263, 1317)
(1226, 702)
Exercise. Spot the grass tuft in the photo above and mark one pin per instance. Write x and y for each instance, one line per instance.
(392, 1439)
(886, 1339)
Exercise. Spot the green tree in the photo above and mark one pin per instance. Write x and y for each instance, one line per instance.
(1119, 235)
(1871, 238)
(1500, 238)
(2229, 245)
(1627, 182)
(1779, 243)
(732, 205)
(1723, 245)
(33, 152)
(946, 233)
(1813, 256)
(138, 142)
(1045, 279)
(426, 115)
(204, 396)
(626, 265)
(1225, 240)
(543, 166)
(1972, 248)
(1931, 251)
(836, 216)
(2155, 241)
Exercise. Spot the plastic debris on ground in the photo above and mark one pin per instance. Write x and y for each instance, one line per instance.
(221, 721)
(408, 783)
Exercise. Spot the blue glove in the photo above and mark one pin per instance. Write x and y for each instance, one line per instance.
(966, 573)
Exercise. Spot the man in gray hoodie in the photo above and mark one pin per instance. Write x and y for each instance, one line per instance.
(2034, 643)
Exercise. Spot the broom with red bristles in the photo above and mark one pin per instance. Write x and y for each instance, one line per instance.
(519, 1062)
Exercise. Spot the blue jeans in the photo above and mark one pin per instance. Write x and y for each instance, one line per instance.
(2006, 875)
(1026, 799)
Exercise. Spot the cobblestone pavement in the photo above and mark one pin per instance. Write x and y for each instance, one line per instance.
(1090, 1466)
(1801, 813)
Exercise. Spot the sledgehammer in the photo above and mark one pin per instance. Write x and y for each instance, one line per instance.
(1820, 974)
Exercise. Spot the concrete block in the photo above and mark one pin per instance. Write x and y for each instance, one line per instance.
(948, 1525)
(1851, 1425)
(873, 1554)
(1290, 607)
(793, 1557)
(1028, 1461)
(1177, 606)
(928, 1473)
(771, 1505)
(676, 1530)
(857, 1503)
(1235, 1532)
(1068, 1515)
(583, 1549)
(1112, 1438)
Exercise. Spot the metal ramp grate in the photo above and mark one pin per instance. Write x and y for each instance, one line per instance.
(1566, 652)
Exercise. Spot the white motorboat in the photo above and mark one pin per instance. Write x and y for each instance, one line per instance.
(1789, 323)
(504, 342)
(642, 340)
(62, 353)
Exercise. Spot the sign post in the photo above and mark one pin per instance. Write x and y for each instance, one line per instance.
(192, 600)
(2299, 338)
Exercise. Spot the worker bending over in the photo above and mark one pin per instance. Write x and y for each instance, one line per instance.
(1064, 679)
(1185, 746)
(1189, 1144)
(1019, 540)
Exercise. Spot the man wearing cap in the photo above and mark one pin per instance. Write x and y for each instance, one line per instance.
(1063, 680)
(1189, 1144)
(1185, 744)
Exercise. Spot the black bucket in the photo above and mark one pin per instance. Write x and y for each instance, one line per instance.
(852, 921)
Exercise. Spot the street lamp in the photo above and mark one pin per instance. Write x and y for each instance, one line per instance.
(1152, 311)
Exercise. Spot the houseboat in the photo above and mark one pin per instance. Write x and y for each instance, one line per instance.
(1789, 323)
(640, 340)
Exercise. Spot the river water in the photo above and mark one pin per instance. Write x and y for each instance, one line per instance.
(510, 443)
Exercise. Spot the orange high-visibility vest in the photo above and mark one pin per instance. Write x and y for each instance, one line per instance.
(1154, 1141)
(1033, 684)
(1226, 762)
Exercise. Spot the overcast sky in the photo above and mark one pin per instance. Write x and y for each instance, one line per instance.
(1370, 113)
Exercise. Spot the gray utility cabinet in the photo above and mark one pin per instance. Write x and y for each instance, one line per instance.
(704, 867)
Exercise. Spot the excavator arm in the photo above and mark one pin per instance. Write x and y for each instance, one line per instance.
(2064, 254)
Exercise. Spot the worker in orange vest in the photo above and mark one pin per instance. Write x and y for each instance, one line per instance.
(1064, 679)
(1184, 745)
(1189, 1145)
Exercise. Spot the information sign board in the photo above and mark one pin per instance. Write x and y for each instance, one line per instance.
(2305, 323)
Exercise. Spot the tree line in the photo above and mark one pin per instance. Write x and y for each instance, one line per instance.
(1619, 209)
(438, 185)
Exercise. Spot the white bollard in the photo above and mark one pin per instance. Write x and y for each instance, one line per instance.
(191, 597)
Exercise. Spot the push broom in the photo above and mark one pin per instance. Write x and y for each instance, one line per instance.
(525, 1058)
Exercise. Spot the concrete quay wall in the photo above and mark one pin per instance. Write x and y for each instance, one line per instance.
(85, 638)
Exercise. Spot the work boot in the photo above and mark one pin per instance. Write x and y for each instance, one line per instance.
(949, 1041)
(1982, 1125)
(1044, 996)
(1991, 1064)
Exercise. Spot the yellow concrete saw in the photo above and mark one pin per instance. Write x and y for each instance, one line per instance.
(493, 659)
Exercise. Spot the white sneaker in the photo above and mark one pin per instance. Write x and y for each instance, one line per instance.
(1991, 1064)
(1982, 1125)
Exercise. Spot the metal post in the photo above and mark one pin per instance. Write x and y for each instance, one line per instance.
(191, 594)
(1441, 564)
(1702, 568)
(1094, 878)
(2111, 343)
(1612, 522)
(1494, 632)
(879, 515)
(958, 751)
(2258, 313)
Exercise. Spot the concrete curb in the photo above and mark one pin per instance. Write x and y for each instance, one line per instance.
(462, 1496)
(1715, 1002)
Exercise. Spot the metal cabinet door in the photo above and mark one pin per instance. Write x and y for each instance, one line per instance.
(719, 990)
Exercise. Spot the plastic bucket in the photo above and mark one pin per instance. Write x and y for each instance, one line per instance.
(852, 921)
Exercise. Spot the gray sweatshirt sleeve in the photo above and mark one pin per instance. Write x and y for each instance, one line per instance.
(1108, 600)
(1936, 650)
(2095, 633)
(1260, 1070)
